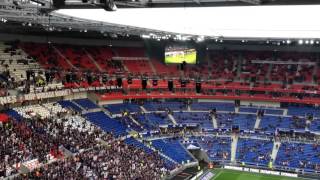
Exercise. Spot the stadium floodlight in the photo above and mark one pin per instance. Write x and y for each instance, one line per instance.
(306, 42)
(300, 41)
(200, 38)
(107, 5)
(311, 41)
(144, 36)
(317, 42)
(288, 41)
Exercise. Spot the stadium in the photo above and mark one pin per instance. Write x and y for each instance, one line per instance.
(159, 89)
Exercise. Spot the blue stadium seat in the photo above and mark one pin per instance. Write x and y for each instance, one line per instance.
(254, 151)
(119, 108)
(162, 106)
(86, 104)
(106, 123)
(201, 118)
(298, 155)
(70, 105)
(14, 114)
(173, 149)
(207, 106)
(217, 148)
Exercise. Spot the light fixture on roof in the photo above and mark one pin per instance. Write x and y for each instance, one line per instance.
(312, 41)
(4, 20)
(300, 42)
(307, 42)
(144, 36)
(200, 38)
(317, 42)
(107, 5)
(288, 41)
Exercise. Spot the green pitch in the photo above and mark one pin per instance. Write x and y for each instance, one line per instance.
(222, 174)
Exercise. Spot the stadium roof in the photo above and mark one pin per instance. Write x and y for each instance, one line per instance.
(242, 21)
(228, 22)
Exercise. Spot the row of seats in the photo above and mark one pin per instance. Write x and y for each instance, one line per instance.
(217, 148)
(254, 151)
(271, 123)
(131, 141)
(162, 106)
(208, 106)
(298, 155)
(86, 104)
(120, 108)
(173, 149)
(106, 123)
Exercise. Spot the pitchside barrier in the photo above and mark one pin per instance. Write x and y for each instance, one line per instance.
(261, 171)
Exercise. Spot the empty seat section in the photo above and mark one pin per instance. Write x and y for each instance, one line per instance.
(86, 103)
(69, 105)
(173, 149)
(207, 106)
(254, 151)
(106, 123)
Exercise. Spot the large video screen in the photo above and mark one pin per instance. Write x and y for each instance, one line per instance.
(178, 54)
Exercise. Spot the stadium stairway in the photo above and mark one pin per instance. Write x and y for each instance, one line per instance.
(133, 120)
(152, 66)
(275, 149)
(236, 109)
(143, 109)
(234, 143)
(285, 112)
(93, 61)
(214, 122)
(66, 59)
(172, 119)
(257, 123)
(188, 107)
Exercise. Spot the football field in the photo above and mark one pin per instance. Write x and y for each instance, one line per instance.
(222, 174)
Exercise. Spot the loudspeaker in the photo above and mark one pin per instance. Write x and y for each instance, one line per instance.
(129, 80)
(144, 83)
(155, 82)
(28, 74)
(108, 5)
(73, 77)
(47, 75)
(89, 79)
(104, 79)
(170, 85)
(59, 3)
(235, 128)
(119, 82)
(183, 83)
(198, 87)
(68, 78)
(237, 102)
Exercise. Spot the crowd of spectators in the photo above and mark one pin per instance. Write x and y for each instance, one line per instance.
(115, 161)
(42, 139)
